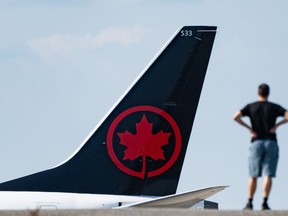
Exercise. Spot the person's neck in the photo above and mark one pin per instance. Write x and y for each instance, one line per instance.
(262, 99)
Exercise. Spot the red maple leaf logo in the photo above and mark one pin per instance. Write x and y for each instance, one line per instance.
(144, 143)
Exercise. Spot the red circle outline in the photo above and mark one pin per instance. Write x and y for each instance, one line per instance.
(119, 118)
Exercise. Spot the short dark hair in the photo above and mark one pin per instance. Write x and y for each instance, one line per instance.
(263, 90)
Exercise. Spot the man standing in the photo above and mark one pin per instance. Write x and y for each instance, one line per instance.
(264, 148)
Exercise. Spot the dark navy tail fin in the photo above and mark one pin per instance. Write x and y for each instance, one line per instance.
(139, 147)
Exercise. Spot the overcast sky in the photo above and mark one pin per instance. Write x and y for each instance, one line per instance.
(63, 64)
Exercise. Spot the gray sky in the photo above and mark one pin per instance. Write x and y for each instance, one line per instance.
(63, 64)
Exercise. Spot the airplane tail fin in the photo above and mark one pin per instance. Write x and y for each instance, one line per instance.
(139, 147)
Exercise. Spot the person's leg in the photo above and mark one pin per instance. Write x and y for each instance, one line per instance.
(255, 170)
(269, 169)
(267, 185)
(252, 185)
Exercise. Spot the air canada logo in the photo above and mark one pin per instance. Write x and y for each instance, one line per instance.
(144, 141)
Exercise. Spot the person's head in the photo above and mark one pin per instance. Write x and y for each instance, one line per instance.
(263, 90)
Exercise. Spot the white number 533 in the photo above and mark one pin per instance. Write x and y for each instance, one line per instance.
(186, 33)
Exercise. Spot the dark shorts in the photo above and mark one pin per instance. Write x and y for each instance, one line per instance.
(263, 158)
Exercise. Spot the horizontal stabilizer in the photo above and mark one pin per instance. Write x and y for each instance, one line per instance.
(181, 200)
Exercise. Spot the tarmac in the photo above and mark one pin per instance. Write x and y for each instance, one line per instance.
(142, 212)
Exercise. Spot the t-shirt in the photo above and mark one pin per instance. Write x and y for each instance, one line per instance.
(263, 117)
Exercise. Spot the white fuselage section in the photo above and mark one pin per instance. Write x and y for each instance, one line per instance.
(54, 200)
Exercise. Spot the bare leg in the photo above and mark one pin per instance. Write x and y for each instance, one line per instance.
(267, 185)
(252, 184)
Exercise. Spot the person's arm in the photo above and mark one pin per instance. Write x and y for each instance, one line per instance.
(285, 120)
(238, 118)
